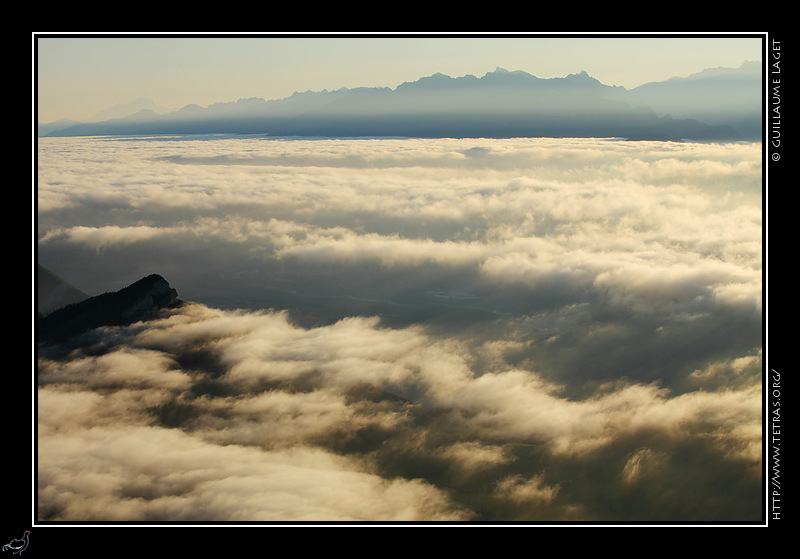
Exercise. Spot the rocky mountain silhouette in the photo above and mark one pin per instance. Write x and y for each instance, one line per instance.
(500, 104)
(142, 300)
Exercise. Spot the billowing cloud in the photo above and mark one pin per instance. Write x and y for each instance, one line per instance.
(220, 415)
(459, 329)
(589, 212)
(146, 474)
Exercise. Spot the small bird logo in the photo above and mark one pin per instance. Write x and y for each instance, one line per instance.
(17, 546)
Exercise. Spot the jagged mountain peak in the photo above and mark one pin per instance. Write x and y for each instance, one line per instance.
(582, 76)
(502, 103)
(141, 300)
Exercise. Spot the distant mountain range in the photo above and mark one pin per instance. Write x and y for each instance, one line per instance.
(714, 105)
(716, 96)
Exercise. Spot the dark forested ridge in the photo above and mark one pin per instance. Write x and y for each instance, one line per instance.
(139, 301)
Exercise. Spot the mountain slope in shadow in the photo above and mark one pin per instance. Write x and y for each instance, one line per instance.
(53, 292)
(139, 301)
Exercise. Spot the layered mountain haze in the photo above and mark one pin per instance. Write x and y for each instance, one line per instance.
(715, 96)
(501, 104)
(140, 107)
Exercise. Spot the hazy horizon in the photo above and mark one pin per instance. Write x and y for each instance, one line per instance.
(79, 77)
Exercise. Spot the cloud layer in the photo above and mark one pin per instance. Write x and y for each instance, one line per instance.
(483, 330)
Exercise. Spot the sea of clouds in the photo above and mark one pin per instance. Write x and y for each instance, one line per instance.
(406, 330)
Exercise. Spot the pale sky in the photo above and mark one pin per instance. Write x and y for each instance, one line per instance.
(75, 77)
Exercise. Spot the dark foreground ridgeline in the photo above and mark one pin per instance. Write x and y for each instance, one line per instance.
(141, 300)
